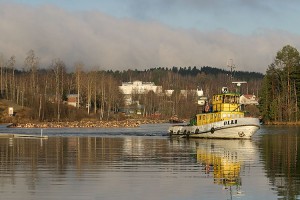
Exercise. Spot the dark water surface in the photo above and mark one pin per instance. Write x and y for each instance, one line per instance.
(143, 163)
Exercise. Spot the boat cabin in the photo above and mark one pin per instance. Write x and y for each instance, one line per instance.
(225, 107)
(226, 102)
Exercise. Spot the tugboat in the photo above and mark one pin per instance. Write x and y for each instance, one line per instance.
(223, 119)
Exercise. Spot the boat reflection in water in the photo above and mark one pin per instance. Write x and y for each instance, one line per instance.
(225, 159)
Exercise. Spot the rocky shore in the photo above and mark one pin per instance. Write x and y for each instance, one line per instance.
(88, 124)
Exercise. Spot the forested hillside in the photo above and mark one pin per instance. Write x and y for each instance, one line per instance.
(42, 92)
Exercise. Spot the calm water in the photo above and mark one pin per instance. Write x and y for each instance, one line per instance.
(143, 163)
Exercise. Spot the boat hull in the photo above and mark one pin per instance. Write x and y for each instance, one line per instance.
(239, 128)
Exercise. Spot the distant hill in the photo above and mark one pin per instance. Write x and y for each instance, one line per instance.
(242, 75)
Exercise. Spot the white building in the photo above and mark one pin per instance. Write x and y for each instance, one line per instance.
(185, 93)
(169, 92)
(248, 99)
(73, 100)
(138, 87)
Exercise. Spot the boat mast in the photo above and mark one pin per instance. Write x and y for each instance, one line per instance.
(238, 85)
(232, 67)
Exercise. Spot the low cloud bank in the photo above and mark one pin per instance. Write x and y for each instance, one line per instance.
(104, 42)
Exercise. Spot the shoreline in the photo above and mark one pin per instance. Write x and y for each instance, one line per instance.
(88, 124)
(129, 123)
(282, 123)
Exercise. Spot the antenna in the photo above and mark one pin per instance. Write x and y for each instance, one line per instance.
(232, 67)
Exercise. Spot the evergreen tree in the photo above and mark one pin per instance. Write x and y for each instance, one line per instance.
(279, 97)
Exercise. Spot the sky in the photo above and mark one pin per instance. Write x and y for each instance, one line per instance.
(142, 34)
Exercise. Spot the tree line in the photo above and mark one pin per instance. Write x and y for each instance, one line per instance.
(42, 92)
(280, 94)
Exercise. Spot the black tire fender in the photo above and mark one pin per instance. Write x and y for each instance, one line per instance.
(241, 134)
